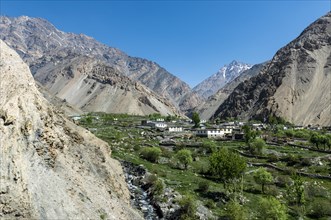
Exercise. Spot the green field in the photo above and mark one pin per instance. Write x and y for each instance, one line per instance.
(127, 140)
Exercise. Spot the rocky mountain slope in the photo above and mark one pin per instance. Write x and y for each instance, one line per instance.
(61, 104)
(38, 42)
(51, 168)
(93, 86)
(226, 74)
(295, 85)
(209, 107)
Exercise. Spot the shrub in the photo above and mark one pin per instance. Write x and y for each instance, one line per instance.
(209, 146)
(234, 211)
(151, 154)
(203, 186)
(257, 146)
(210, 204)
(136, 148)
(320, 208)
(157, 187)
(166, 153)
(282, 181)
(271, 208)
(273, 158)
(188, 208)
(185, 157)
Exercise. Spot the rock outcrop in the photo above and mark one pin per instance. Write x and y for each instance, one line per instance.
(39, 43)
(295, 85)
(49, 167)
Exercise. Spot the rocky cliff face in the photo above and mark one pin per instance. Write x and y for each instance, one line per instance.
(38, 42)
(225, 75)
(295, 85)
(50, 168)
(208, 109)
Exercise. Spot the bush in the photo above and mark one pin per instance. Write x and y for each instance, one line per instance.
(157, 187)
(273, 158)
(188, 208)
(209, 146)
(166, 153)
(210, 204)
(234, 211)
(203, 186)
(184, 156)
(320, 208)
(151, 154)
(271, 208)
(257, 146)
(136, 148)
(282, 181)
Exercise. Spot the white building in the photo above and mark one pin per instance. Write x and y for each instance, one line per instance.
(160, 119)
(159, 125)
(175, 129)
(153, 124)
(210, 133)
(227, 130)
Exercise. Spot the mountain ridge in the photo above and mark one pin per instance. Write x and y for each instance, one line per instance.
(208, 109)
(224, 75)
(294, 86)
(37, 41)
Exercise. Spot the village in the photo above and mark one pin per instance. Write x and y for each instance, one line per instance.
(173, 156)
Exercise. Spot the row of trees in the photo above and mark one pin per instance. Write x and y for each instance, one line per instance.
(321, 140)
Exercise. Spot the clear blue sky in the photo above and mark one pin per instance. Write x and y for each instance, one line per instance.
(191, 39)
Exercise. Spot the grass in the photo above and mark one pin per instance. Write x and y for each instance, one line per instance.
(125, 141)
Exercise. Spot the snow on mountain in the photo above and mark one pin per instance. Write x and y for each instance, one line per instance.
(217, 81)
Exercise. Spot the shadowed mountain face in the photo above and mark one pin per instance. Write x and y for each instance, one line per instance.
(225, 75)
(295, 85)
(50, 168)
(207, 110)
(39, 43)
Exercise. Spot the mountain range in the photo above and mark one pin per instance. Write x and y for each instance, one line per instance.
(295, 85)
(209, 107)
(41, 45)
(225, 75)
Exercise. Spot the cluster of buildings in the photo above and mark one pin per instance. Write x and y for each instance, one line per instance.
(226, 130)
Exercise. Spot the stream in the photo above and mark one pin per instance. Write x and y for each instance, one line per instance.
(139, 197)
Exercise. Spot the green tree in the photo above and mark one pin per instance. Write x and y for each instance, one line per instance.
(271, 209)
(151, 154)
(234, 211)
(296, 191)
(249, 134)
(196, 119)
(328, 142)
(315, 138)
(263, 177)
(227, 166)
(256, 146)
(185, 157)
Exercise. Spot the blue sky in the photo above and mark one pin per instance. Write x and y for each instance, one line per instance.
(191, 39)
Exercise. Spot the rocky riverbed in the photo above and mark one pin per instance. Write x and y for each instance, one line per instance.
(140, 198)
(152, 207)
